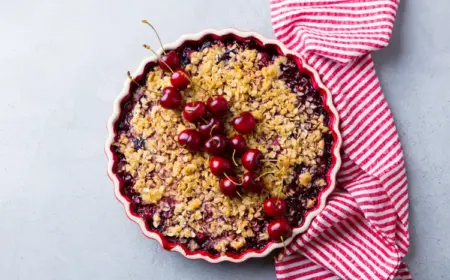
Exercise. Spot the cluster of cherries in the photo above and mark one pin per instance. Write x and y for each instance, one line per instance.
(209, 136)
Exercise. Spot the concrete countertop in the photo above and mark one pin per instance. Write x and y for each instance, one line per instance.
(62, 63)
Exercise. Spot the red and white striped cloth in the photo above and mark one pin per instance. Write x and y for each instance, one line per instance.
(363, 231)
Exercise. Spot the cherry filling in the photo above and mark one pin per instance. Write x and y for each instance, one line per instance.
(293, 206)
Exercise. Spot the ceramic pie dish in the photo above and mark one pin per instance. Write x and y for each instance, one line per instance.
(170, 192)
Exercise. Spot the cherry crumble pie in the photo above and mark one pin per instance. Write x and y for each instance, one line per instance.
(173, 189)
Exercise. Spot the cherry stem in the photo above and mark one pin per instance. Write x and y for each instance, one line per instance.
(284, 246)
(237, 184)
(280, 258)
(239, 195)
(157, 56)
(283, 254)
(282, 189)
(211, 132)
(190, 80)
(171, 70)
(268, 172)
(134, 81)
(157, 35)
(232, 157)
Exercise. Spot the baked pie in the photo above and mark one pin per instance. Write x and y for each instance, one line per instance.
(223, 145)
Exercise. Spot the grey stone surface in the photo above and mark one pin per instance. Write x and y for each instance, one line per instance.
(63, 62)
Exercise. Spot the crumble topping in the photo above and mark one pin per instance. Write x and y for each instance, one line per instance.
(174, 190)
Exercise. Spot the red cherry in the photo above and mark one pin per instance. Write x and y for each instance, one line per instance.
(274, 207)
(180, 79)
(237, 143)
(220, 166)
(218, 106)
(194, 111)
(279, 229)
(212, 127)
(171, 98)
(216, 145)
(251, 159)
(191, 139)
(171, 58)
(252, 183)
(228, 186)
(245, 123)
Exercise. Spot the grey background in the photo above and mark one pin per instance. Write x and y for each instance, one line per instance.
(63, 62)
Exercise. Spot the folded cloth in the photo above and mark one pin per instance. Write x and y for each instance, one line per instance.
(363, 231)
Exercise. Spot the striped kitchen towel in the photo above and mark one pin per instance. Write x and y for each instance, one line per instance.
(363, 231)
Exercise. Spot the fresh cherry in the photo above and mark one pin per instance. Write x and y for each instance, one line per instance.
(191, 139)
(228, 186)
(245, 123)
(237, 143)
(220, 166)
(210, 128)
(251, 159)
(180, 79)
(194, 111)
(171, 98)
(251, 182)
(279, 229)
(170, 59)
(218, 106)
(216, 145)
(274, 207)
